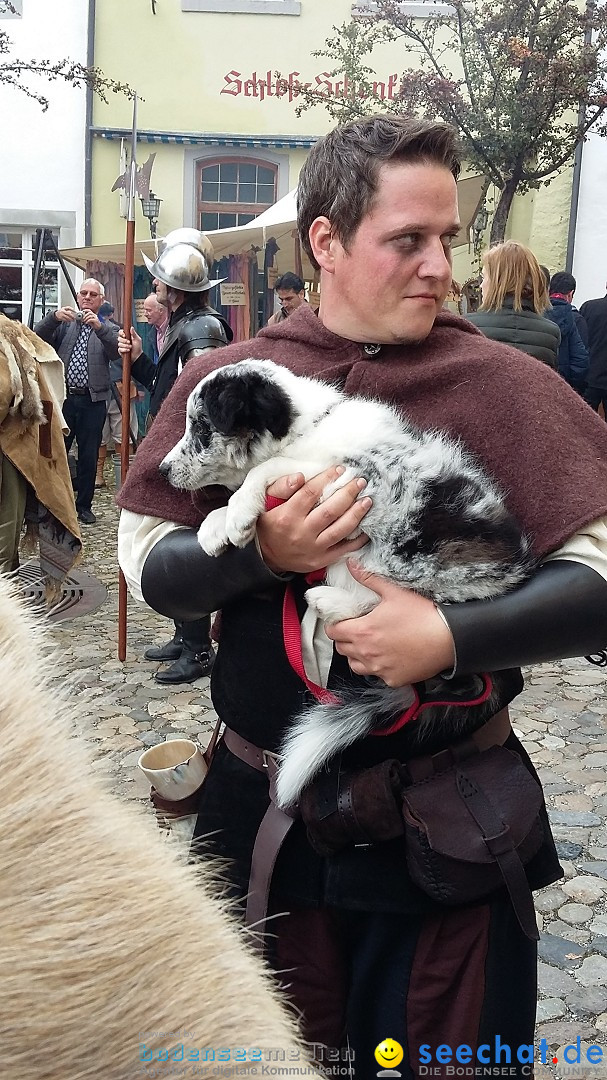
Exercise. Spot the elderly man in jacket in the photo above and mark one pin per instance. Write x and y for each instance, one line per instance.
(87, 346)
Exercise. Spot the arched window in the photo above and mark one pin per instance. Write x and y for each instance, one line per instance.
(233, 191)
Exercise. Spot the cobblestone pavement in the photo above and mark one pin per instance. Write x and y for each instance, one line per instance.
(562, 719)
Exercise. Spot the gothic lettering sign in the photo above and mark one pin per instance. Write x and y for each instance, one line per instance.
(233, 294)
(268, 85)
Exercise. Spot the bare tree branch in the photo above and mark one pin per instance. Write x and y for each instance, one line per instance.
(16, 72)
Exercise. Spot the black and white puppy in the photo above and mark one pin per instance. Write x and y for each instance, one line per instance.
(438, 524)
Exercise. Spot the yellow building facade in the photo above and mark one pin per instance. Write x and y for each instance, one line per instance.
(218, 82)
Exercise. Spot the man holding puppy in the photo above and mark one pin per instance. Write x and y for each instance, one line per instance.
(365, 953)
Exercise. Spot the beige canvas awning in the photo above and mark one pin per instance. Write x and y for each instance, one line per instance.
(278, 222)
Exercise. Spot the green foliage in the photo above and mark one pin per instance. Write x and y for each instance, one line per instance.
(522, 80)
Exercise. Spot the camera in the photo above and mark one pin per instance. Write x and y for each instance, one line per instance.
(79, 315)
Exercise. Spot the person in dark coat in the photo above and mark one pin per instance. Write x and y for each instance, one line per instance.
(515, 297)
(182, 284)
(595, 315)
(573, 350)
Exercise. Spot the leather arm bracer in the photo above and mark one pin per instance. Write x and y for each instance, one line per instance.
(181, 581)
(560, 612)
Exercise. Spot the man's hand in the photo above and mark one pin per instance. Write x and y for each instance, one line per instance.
(90, 319)
(301, 535)
(403, 640)
(134, 346)
(65, 314)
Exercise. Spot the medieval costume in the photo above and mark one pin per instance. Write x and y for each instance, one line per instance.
(366, 952)
(35, 479)
(190, 328)
(194, 327)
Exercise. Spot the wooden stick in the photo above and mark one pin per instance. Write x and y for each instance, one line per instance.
(127, 309)
(127, 320)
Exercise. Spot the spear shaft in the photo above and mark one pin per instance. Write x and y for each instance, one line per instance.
(127, 322)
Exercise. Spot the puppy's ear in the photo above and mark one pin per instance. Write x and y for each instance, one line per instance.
(248, 403)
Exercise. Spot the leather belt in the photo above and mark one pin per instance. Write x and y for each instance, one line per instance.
(494, 732)
(262, 760)
(276, 824)
(271, 834)
(78, 390)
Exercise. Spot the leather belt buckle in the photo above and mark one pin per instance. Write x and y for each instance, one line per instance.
(269, 760)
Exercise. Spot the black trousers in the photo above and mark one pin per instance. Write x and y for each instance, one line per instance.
(594, 397)
(85, 419)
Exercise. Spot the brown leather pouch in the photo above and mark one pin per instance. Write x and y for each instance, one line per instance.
(472, 823)
(345, 807)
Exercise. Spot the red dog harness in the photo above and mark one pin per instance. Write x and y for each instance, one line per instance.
(291, 631)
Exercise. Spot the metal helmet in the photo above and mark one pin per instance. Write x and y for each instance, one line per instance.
(191, 236)
(182, 267)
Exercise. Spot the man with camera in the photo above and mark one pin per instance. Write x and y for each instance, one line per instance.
(87, 346)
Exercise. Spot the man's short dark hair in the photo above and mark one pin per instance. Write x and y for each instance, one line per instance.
(339, 178)
(290, 281)
(562, 282)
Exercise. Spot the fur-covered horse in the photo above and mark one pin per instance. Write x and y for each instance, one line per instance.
(112, 951)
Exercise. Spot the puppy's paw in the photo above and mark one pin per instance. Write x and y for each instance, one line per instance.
(212, 535)
(332, 604)
(240, 525)
(241, 535)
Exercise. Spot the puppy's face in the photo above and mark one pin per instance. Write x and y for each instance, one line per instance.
(236, 417)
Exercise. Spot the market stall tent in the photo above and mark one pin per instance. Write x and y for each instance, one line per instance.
(278, 222)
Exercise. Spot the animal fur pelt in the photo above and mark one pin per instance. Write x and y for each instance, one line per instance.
(438, 524)
(21, 348)
(108, 944)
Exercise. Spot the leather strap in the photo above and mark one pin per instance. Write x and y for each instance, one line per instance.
(271, 834)
(270, 837)
(498, 839)
(249, 753)
(345, 808)
(494, 733)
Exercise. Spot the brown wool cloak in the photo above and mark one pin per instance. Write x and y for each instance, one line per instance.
(545, 447)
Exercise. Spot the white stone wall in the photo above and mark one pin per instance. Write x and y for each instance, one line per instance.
(590, 252)
(43, 152)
